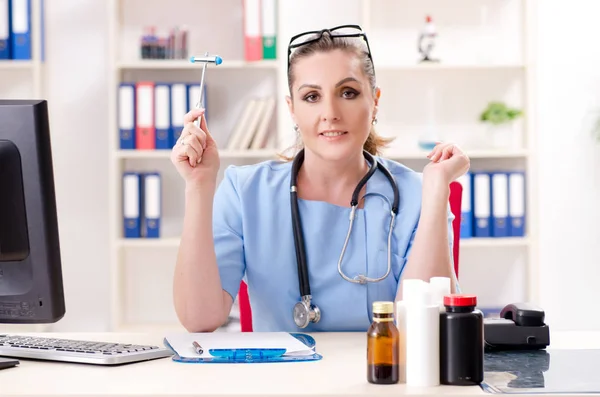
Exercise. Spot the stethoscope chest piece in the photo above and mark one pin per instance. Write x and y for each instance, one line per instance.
(305, 312)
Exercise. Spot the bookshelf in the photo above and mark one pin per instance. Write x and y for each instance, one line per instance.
(23, 78)
(471, 75)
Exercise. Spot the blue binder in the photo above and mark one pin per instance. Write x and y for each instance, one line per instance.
(482, 203)
(20, 36)
(250, 356)
(516, 207)
(193, 95)
(162, 115)
(466, 217)
(5, 29)
(499, 186)
(126, 115)
(152, 204)
(131, 205)
(179, 107)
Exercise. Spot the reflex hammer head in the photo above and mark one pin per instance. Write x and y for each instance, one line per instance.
(217, 60)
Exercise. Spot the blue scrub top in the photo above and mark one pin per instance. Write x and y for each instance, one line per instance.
(254, 241)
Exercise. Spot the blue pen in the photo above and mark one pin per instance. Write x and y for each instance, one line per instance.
(197, 347)
(247, 354)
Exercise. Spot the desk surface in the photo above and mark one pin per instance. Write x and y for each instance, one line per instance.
(341, 372)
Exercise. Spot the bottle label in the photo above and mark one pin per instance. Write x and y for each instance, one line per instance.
(384, 353)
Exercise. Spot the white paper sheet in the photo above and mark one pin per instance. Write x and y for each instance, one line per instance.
(182, 342)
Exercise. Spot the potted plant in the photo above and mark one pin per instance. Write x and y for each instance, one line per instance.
(500, 119)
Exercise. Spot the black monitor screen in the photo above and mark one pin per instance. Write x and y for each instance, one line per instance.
(31, 286)
(14, 245)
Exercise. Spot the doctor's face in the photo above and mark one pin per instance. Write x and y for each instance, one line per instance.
(333, 104)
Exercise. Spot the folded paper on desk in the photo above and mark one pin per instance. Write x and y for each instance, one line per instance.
(242, 347)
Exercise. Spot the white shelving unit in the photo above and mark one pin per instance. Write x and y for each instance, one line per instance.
(470, 75)
(23, 79)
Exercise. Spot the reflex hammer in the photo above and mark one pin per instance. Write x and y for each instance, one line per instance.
(205, 60)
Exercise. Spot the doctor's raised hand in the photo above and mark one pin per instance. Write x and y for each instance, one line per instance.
(195, 154)
(448, 163)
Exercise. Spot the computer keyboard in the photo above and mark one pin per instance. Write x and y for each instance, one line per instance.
(77, 351)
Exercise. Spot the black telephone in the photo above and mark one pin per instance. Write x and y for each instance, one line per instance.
(520, 327)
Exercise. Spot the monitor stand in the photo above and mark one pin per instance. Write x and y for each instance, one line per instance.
(8, 363)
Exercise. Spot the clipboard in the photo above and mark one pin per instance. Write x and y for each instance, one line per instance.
(251, 355)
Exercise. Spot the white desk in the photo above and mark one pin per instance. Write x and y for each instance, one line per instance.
(341, 372)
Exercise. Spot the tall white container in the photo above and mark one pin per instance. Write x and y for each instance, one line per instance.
(423, 339)
(439, 287)
(400, 318)
(410, 289)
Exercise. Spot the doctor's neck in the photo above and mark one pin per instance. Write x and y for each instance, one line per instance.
(330, 179)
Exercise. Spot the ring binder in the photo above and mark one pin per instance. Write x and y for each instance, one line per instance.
(251, 355)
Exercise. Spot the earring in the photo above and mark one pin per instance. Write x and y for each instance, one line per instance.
(296, 128)
(374, 121)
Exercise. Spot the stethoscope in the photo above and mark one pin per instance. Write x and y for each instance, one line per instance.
(305, 311)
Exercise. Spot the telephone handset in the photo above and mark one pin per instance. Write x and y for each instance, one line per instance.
(520, 327)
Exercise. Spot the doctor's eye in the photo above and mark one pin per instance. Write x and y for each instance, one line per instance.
(312, 97)
(350, 93)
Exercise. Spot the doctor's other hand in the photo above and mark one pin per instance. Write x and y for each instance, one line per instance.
(195, 154)
(448, 162)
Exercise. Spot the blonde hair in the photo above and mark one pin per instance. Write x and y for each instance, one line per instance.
(328, 43)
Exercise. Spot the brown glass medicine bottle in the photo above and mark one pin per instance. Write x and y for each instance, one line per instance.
(382, 345)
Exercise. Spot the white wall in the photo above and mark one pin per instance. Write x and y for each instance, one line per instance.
(76, 88)
(567, 85)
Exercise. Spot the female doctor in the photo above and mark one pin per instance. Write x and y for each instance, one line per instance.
(283, 226)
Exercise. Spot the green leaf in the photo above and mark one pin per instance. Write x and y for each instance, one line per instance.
(498, 113)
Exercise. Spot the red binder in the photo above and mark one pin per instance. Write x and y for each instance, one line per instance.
(145, 131)
(253, 46)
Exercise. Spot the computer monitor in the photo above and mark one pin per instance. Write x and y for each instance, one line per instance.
(31, 285)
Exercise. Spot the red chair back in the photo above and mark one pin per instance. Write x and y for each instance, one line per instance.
(456, 190)
(245, 310)
(455, 207)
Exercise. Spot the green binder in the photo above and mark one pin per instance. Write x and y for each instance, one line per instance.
(269, 29)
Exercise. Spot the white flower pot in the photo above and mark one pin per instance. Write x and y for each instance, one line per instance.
(502, 136)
